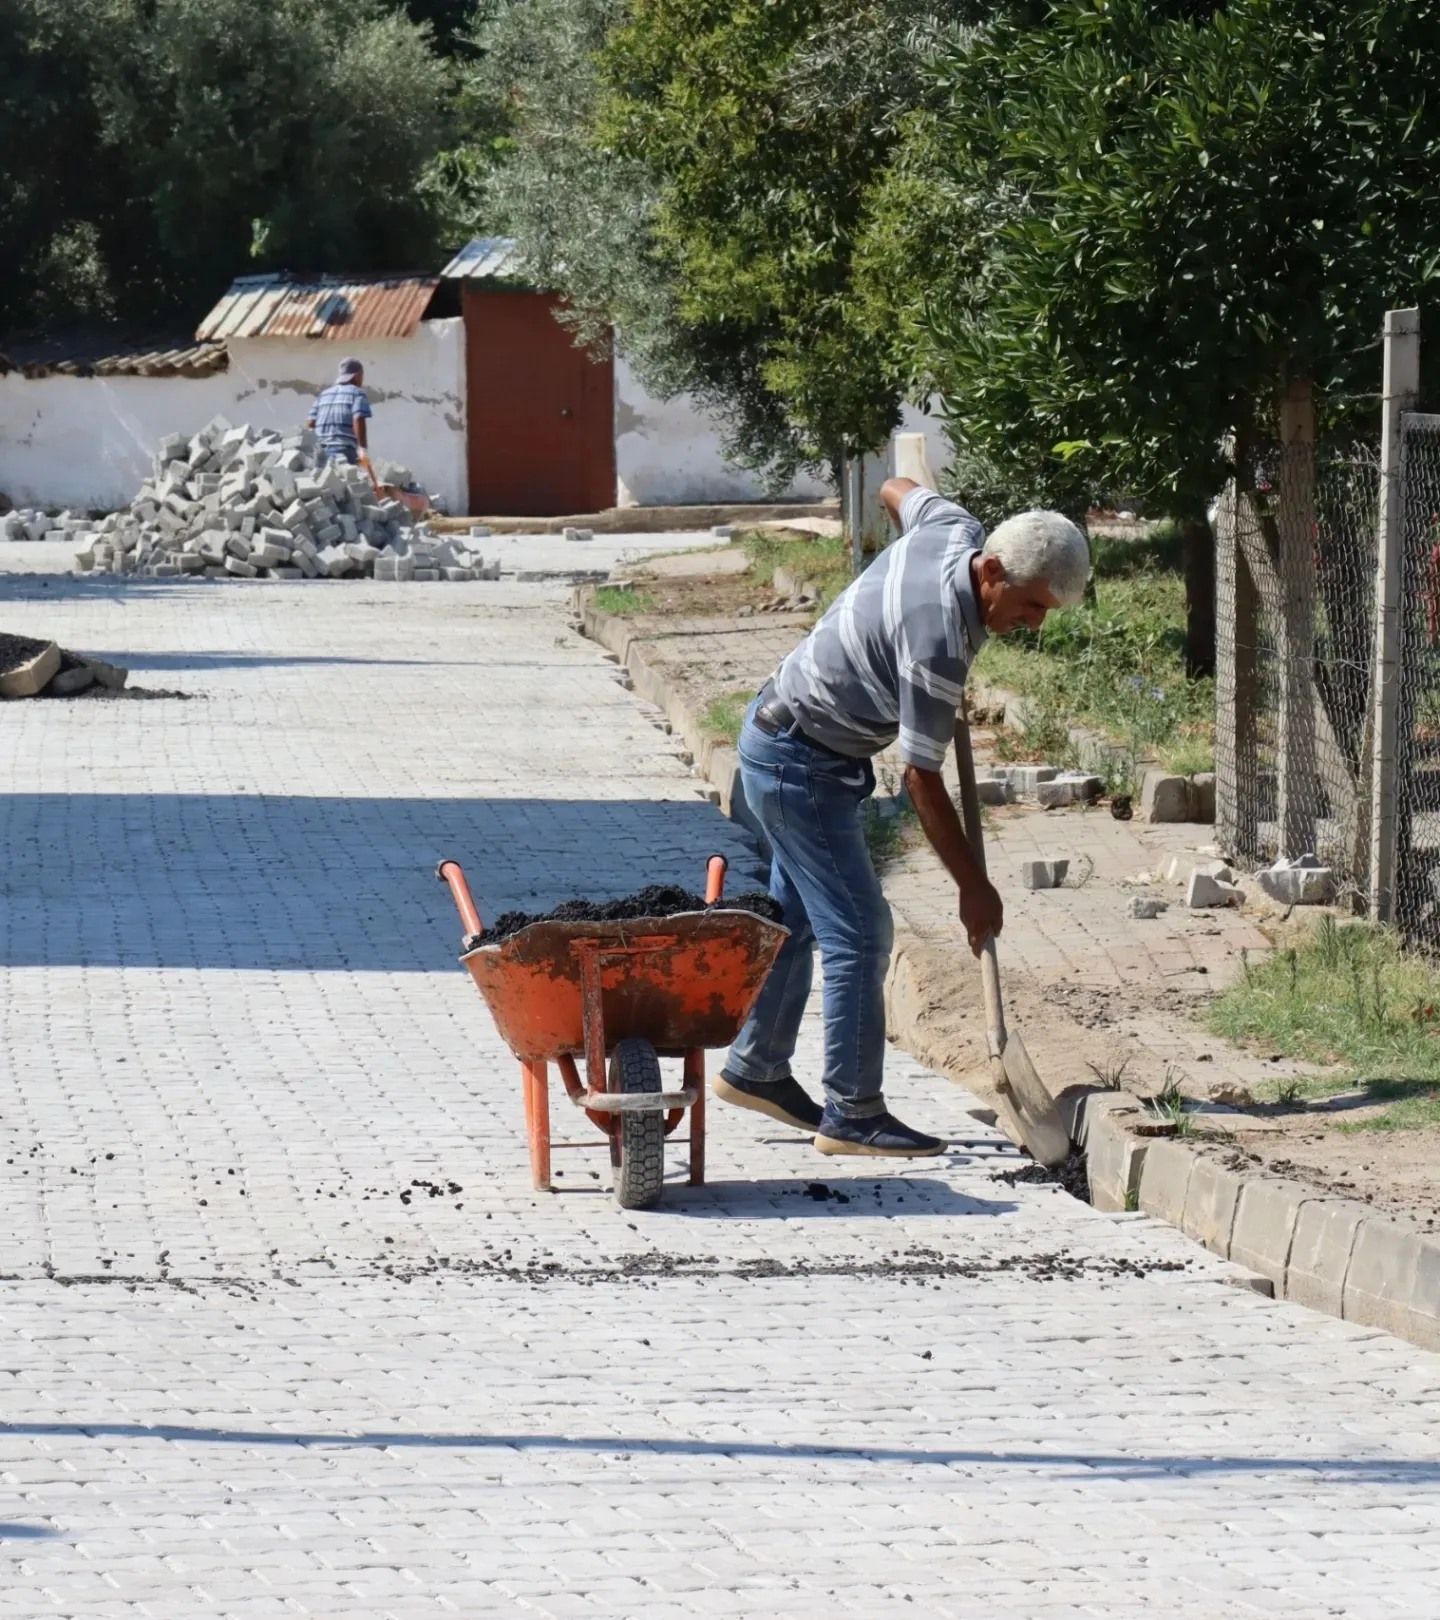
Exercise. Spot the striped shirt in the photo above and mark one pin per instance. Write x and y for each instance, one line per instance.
(335, 413)
(889, 659)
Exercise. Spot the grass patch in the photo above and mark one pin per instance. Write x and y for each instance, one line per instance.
(827, 562)
(1116, 662)
(1349, 994)
(622, 600)
(724, 715)
(1188, 755)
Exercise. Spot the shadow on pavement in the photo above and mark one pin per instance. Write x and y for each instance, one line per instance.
(1074, 1464)
(260, 881)
(839, 1198)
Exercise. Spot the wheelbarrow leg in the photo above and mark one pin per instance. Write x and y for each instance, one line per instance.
(695, 1076)
(537, 1121)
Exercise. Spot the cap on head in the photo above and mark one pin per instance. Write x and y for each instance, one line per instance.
(1043, 547)
(350, 370)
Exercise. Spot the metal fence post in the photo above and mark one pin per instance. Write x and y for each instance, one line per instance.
(1295, 523)
(1400, 390)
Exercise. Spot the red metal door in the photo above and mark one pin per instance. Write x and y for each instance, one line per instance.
(540, 412)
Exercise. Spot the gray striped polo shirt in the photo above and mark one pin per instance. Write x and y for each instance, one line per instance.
(889, 659)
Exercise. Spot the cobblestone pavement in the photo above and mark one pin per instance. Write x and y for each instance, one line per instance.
(287, 1334)
(1138, 980)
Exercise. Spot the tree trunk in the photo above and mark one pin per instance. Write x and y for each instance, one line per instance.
(1198, 551)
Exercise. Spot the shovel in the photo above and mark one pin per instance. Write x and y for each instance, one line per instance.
(1029, 1112)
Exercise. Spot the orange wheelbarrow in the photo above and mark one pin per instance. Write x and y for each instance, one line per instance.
(620, 995)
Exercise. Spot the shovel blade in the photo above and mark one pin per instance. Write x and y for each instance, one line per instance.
(1026, 1107)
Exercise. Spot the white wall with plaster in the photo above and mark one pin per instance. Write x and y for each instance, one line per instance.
(86, 442)
(667, 453)
(416, 386)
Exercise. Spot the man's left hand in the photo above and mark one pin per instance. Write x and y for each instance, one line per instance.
(982, 912)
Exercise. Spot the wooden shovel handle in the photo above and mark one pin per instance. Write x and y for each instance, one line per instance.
(975, 836)
(969, 795)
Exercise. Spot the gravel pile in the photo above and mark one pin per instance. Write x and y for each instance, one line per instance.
(250, 503)
(659, 900)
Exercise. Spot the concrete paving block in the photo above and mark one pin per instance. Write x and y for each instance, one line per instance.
(1324, 1238)
(1071, 788)
(1202, 797)
(1393, 1281)
(242, 570)
(70, 681)
(1265, 1216)
(1043, 874)
(1298, 885)
(1165, 797)
(33, 675)
(992, 790)
(1204, 890)
(1165, 1180)
(1210, 1200)
(1114, 1162)
(1026, 778)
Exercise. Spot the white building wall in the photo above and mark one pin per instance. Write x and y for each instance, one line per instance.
(86, 442)
(667, 453)
(416, 384)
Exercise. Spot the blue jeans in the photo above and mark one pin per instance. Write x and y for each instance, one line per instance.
(808, 801)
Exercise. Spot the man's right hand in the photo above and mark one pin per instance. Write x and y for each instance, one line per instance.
(982, 912)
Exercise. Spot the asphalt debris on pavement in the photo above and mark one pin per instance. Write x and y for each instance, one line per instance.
(1071, 1176)
(658, 900)
(18, 650)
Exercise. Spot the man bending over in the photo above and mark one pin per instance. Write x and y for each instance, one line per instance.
(888, 662)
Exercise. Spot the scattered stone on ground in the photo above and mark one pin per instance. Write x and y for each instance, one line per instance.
(659, 900)
(1146, 908)
(1070, 787)
(246, 502)
(1205, 890)
(1043, 874)
(1301, 882)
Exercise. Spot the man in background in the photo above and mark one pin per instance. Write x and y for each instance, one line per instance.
(340, 414)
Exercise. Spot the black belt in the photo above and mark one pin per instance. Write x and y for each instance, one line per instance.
(774, 715)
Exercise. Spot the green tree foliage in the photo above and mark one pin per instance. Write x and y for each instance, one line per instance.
(1158, 215)
(197, 139)
(585, 214)
(764, 127)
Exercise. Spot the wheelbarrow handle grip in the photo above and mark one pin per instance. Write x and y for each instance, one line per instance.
(715, 869)
(450, 874)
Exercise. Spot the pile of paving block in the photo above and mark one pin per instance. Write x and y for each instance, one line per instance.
(249, 503)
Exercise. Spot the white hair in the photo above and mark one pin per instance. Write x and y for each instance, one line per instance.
(1043, 546)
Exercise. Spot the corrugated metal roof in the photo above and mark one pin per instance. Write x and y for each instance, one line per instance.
(487, 258)
(327, 307)
(57, 358)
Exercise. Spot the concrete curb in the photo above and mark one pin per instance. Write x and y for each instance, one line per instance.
(1335, 1255)
(1329, 1254)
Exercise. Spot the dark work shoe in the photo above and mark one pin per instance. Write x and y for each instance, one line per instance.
(881, 1136)
(785, 1100)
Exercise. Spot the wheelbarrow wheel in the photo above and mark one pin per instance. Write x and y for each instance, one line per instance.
(637, 1149)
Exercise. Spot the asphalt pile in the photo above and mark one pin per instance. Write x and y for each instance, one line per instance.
(250, 503)
(659, 900)
(33, 668)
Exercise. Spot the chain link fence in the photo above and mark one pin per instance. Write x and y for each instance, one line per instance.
(1296, 554)
(1417, 776)
(1328, 652)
